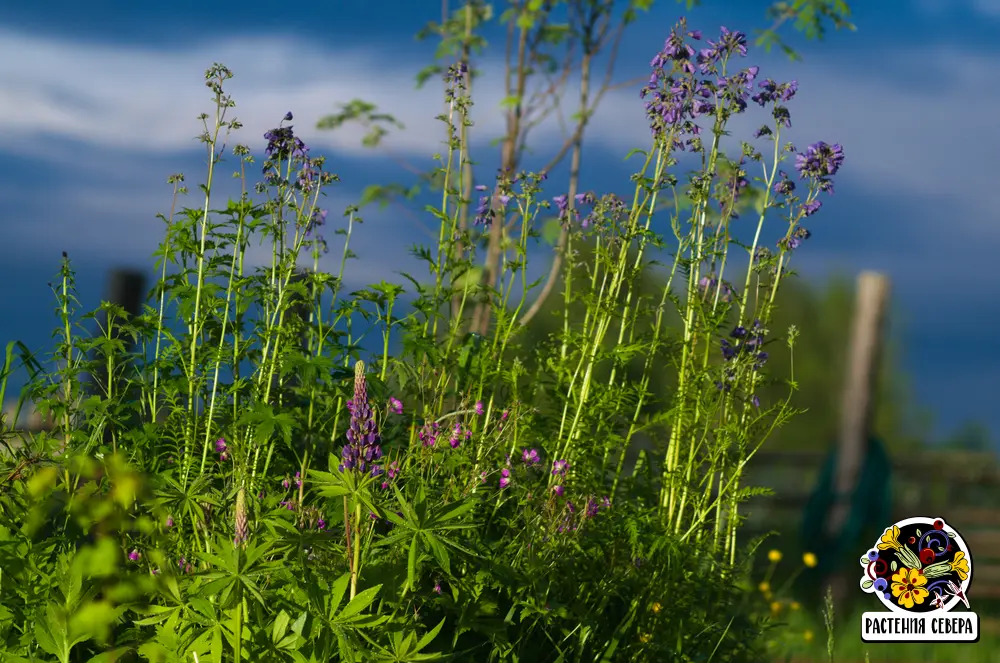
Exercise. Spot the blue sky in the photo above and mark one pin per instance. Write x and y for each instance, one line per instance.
(98, 106)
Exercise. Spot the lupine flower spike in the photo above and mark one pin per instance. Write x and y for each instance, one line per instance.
(242, 527)
(362, 451)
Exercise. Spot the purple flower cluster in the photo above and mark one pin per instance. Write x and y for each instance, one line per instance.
(797, 236)
(675, 98)
(819, 163)
(395, 406)
(572, 520)
(458, 433)
(607, 208)
(312, 518)
(489, 205)
(686, 84)
(184, 565)
(784, 186)
(428, 433)
(283, 146)
(748, 341)
(728, 190)
(820, 160)
(362, 451)
(454, 80)
(708, 284)
(392, 471)
(286, 483)
(222, 449)
(773, 93)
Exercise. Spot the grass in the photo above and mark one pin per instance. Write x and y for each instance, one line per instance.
(848, 647)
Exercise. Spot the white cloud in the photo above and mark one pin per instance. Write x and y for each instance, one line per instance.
(935, 8)
(145, 100)
(904, 124)
(986, 7)
(907, 124)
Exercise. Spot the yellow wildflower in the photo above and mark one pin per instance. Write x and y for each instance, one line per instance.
(774, 556)
(764, 587)
(960, 565)
(775, 608)
(908, 587)
(890, 539)
(808, 636)
(794, 605)
(809, 559)
(644, 638)
(656, 607)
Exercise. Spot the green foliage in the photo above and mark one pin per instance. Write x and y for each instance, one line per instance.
(237, 485)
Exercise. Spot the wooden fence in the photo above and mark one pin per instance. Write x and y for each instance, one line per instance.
(961, 487)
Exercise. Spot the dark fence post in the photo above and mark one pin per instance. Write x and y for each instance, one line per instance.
(126, 288)
(297, 315)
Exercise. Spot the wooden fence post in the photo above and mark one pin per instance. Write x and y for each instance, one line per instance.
(865, 347)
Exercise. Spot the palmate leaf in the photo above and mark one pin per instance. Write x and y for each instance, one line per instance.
(234, 567)
(329, 484)
(267, 421)
(426, 526)
(351, 615)
(209, 644)
(405, 647)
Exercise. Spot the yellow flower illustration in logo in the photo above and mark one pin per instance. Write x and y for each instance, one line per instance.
(960, 565)
(908, 587)
(890, 539)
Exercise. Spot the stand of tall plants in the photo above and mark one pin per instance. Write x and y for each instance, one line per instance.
(243, 482)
